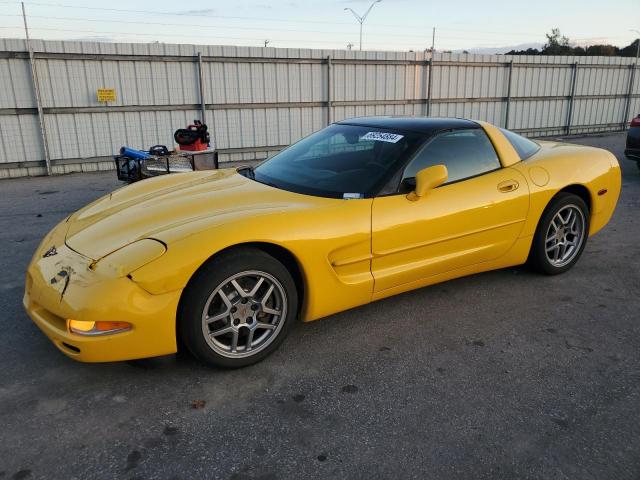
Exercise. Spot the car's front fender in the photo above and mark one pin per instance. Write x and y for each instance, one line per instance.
(331, 242)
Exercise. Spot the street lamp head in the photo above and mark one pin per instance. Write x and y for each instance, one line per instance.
(358, 17)
(362, 18)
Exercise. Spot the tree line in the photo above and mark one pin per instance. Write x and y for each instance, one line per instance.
(558, 44)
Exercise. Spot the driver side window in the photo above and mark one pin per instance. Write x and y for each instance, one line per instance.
(465, 153)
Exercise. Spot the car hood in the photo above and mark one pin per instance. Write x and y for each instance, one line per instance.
(151, 206)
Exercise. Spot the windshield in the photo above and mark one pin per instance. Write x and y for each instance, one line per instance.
(341, 161)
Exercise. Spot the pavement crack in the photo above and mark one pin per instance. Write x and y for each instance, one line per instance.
(577, 347)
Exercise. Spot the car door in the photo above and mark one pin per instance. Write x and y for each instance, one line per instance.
(474, 217)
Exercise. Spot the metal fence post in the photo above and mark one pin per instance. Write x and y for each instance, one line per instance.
(329, 91)
(627, 107)
(36, 91)
(429, 84)
(201, 86)
(508, 106)
(572, 97)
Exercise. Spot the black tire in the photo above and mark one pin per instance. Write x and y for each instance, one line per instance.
(538, 258)
(204, 285)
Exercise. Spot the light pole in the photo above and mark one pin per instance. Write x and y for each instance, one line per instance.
(362, 18)
(433, 42)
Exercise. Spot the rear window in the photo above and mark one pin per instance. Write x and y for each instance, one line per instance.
(523, 146)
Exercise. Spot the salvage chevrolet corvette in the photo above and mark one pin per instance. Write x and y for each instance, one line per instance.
(225, 261)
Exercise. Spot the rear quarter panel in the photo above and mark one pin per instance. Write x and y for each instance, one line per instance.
(557, 166)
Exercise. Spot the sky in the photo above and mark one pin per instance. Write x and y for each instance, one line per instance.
(487, 26)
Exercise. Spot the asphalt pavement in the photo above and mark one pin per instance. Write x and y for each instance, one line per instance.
(506, 374)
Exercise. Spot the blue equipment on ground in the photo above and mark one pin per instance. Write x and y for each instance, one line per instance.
(133, 153)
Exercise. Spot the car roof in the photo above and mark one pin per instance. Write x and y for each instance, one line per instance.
(427, 125)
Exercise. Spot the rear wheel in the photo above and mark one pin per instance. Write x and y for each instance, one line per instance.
(238, 308)
(561, 235)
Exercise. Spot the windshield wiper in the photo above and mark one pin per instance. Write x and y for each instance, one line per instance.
(247, 172)
(264, 182)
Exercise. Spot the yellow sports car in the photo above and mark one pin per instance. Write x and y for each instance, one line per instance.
(226, 261)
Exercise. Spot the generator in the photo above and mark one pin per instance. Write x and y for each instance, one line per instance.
(194, 138)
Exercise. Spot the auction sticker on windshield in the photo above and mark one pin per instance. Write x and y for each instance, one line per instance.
(382, 137)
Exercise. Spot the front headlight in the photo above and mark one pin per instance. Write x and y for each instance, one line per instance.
(130, 257)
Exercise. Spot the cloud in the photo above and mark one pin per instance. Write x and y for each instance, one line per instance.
(202, 11)
(369, 1)
(94, 38)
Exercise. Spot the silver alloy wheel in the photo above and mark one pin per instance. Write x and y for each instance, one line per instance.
(244, 314)
(565, 235)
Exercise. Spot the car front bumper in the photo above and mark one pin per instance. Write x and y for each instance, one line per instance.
(62, 286)
(632, 150)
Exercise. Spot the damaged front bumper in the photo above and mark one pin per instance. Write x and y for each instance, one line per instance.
(60, 286)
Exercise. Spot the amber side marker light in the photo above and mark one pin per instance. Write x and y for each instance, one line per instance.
(80, 327)
(602, 192)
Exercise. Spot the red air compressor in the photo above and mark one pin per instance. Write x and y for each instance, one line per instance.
(193, 138)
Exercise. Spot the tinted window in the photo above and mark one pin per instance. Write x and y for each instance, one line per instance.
(339, 161)
(523, 146)
(465, 153)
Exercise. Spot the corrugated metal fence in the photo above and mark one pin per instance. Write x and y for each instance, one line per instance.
(260, 99)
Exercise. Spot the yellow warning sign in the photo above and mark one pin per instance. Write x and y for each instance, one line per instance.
(106, 95)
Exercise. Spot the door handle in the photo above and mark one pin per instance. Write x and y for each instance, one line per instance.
(508, 186)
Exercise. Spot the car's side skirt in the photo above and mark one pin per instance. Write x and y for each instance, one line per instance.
(517, 255)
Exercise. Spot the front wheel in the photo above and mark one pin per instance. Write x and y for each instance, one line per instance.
(238, 308)
(561, 235)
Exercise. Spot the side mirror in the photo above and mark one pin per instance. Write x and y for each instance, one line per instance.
(428, 179)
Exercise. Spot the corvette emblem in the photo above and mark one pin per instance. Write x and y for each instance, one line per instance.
(50, 253)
